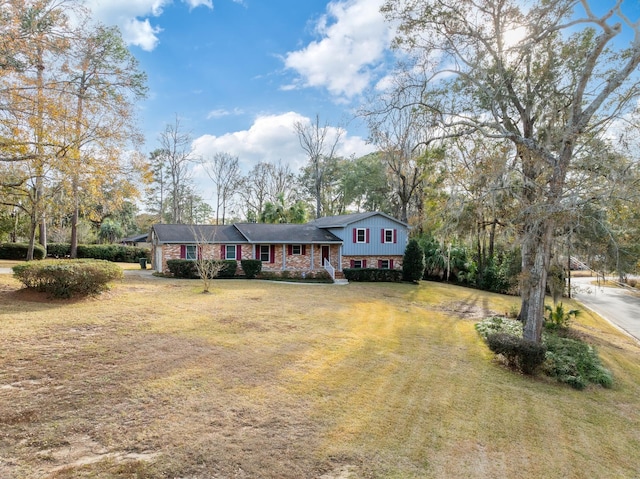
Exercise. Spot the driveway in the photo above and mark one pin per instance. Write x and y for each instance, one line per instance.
(618, 306)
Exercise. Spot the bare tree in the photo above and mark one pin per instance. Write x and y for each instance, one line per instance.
(320, 143)
(224, 170)
(401, 137)
(207, 267)
(175, 146)
(549, 77)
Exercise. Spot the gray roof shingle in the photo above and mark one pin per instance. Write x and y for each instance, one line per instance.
(342, 221)
(286, 233)
(198, 234)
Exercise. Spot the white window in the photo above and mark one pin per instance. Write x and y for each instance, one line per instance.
(361, 235)
(388, 236)
(191, 252)
(264, 253)
(230, 251)
(296, 249)
(384, 264)
(357, 263)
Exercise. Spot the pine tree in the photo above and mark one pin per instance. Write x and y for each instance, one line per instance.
(413, 262)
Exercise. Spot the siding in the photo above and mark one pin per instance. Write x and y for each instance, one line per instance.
(374, 247)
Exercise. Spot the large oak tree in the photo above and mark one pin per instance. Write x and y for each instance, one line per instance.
(549, 77)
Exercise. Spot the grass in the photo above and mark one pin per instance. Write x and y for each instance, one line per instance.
(156, 380)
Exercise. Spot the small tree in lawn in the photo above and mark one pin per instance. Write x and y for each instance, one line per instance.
(413, 262)
(207, 268)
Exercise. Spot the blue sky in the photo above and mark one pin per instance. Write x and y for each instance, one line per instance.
(239, 73)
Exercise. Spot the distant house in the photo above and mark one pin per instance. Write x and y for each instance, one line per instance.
(141, 240)
(364, 240)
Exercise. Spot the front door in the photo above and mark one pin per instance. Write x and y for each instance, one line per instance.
(325, 254)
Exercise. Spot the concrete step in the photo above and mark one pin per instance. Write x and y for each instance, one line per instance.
(340, 281)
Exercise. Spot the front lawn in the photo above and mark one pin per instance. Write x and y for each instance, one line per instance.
(154, 379)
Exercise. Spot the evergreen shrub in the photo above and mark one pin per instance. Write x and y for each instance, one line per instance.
(18, 251)
(521, 354)
(373, 274)
(68, 278)
(251, 267)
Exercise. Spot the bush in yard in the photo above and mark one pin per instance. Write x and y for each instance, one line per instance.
(18, 251)
(251, 267)
(558, 318)
(575, 363)
(373, 274)
(68, 278)
(520, 353)
(58, 250)
(188, 269)
(182, 268)
(413, 262)
(229, 268)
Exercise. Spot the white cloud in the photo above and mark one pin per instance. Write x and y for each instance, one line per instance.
(132, 16)
(272, 138)
(354, 38)
(221, 113)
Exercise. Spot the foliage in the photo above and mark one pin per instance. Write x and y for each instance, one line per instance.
(499, 324)
(556, 283)
(110, 231)
(567, 360)
(68, 278)
(18, 251)
(108, 252)
(297, 276)
(373, 274)
(413, 262)
(520, 353)
(575, 363)
(558, 318)
(251, 267)
(189, 269)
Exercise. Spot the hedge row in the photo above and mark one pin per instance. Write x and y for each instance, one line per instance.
(184, 268)
(373, 274)
(18, 251)
(68, 278)
(110, 252)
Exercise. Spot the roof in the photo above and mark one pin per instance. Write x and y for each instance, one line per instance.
(198, 234)
(141, 238)
(244, 233)
(341, 221)
(285, 233)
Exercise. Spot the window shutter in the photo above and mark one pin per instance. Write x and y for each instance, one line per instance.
(367, 235)
(364, 262)
(390, 264)
(183, 251)
(355, 235)
(223, 251)
(379, 263)
(272, 254)
(199, 251)
(353, 263)
(289, 250)
(395, 235)
(257, 250)
(382, 235)
(304, 249)
(238, 252)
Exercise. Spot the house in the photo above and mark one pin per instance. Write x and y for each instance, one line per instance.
(140, 240)
(363, 240)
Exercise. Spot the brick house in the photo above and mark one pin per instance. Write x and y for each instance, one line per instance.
(364, 240)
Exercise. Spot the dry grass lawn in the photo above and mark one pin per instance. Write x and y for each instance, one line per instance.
(266, 380)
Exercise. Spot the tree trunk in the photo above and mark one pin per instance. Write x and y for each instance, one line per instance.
(536, 255)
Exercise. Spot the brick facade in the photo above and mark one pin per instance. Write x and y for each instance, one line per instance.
(292, 262)
(372, 261)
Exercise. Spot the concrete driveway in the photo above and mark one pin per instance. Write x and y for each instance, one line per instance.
(618, 306)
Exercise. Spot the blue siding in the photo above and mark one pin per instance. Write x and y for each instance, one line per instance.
(375, 246)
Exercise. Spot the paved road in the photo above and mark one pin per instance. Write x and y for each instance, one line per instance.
(616, 305)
